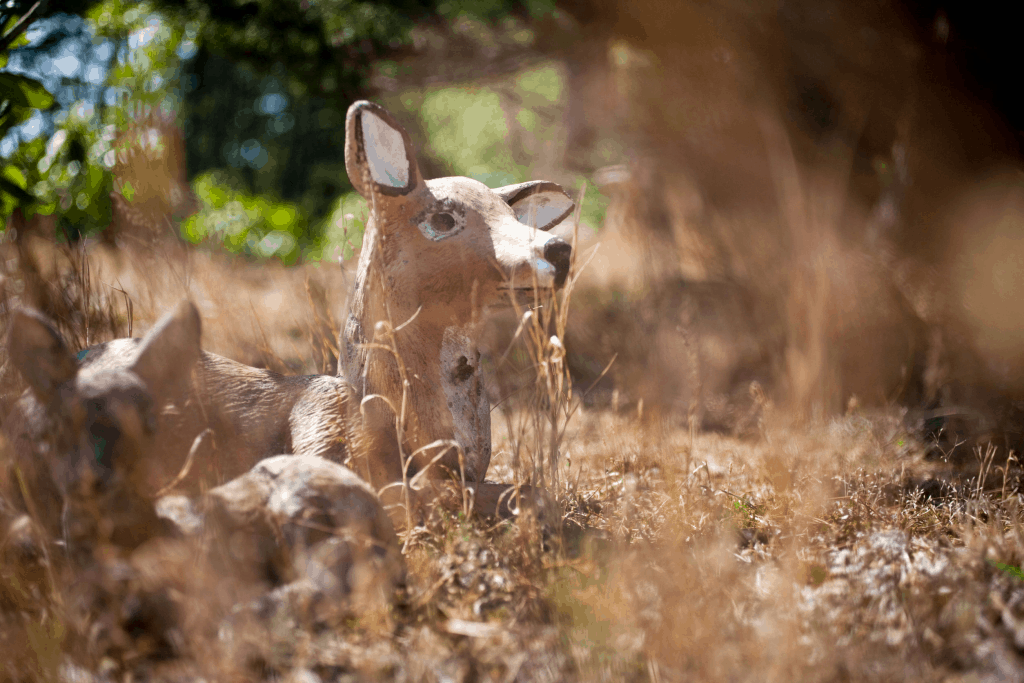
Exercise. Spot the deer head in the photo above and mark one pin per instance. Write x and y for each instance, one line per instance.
(85, 432)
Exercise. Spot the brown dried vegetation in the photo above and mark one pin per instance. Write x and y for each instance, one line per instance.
(825, 550)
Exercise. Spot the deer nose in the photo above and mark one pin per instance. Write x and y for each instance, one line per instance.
(557, 252)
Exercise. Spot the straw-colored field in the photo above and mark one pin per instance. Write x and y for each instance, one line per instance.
(828, 549)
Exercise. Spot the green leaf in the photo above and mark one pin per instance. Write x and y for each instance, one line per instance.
(1009, 569)
(14, 174)
(12, 115)
(24, 91)
(10, 187)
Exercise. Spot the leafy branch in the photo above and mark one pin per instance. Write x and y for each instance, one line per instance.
(21, 24)
(20, 96)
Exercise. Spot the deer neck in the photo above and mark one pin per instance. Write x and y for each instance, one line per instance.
(437, 355)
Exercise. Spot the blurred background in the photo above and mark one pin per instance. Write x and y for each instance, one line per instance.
(814, 204)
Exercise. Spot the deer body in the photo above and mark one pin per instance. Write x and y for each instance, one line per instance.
(251, 414)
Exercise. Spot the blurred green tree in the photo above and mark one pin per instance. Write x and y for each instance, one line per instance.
(265, 95)
(259, 88)
(20, 98)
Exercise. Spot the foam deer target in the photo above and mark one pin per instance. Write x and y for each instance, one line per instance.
(436, 255)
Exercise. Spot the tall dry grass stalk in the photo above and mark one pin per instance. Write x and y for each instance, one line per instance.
(59, 280)
(539, 431)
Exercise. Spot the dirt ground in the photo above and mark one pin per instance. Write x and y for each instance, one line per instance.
(832, 549)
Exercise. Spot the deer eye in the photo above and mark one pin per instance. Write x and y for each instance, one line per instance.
(442, 222)
(103, 437)
(440, 225)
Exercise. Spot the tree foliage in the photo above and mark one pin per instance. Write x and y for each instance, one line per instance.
(265, 96)
(109, 72)
(258, 88)
(20, 97)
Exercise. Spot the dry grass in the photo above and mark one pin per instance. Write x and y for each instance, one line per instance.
(809, 550)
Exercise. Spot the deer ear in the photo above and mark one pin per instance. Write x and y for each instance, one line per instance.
(168, 351)
(40, 354)
(539, 203)
(378, 151)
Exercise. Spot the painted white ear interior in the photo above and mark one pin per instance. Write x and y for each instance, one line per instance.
(543, 209)
(385, 152)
